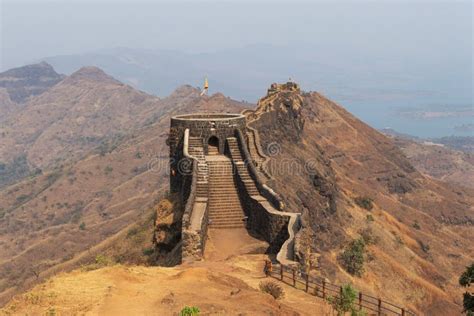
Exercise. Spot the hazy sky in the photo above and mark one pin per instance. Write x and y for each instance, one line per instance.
(378, 58)
(419, 30)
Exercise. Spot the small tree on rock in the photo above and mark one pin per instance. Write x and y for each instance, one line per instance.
(345, 302)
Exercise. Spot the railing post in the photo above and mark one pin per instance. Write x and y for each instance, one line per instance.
(403, 312)
(307, 282)
(324, 289)
(379, 312)
(360, 300)
(294, 277)
(281, 272)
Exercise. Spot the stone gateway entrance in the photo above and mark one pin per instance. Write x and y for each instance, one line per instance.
(224, 194)
(213, 146)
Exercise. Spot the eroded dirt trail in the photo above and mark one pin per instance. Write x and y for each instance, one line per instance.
(224, 243)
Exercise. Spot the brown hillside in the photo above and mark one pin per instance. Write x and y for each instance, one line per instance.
(419, 228)
(81, 112)
(49, 219)
(7, 106)
(439, 161)
(101, 147)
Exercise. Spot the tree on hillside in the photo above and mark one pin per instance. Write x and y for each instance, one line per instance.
(352, 258)
(466, 279)
(346, 302)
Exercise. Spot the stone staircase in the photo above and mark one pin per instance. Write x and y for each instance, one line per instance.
(242, 169)
(196, 150)
(212, 150)
(225, 209)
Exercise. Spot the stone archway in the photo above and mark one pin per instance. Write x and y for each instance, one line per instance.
(213, 146)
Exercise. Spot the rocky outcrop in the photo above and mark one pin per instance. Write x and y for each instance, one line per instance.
(30, 80)
(282, 106)
(282, 114)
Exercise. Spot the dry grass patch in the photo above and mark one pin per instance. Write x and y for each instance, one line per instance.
(272, 288)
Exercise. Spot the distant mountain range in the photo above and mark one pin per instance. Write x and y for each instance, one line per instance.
(244, 72)
(383, 91)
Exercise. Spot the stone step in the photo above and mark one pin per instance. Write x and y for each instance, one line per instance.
(224, 204)
(222, 170)
(226, 211)
(227, 220)
(223, 197)
(228, 207)
(227, 204)
(230, 215)
(214, 198)
(222, 193)
(222, 188)
(215, 221)
(238, 213)
(227, 226)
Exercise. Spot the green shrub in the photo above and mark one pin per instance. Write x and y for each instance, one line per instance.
(22, 198)
(353, 257)
(132, 232)
(148, 251)
(101, 261)
(189, 311)
(82, 226)
(51, 311)
(364, 202)
(108, 170)
(466, 279)
(345, 302)
(272, 288)
(369, 218)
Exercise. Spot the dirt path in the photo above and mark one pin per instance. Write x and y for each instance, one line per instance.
(225, 283)
(224, 243)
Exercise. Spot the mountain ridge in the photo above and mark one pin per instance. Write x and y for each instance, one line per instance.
(29, 80)
(349, 162)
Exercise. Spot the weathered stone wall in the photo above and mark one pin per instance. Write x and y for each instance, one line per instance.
(193, 238)
(204, 126)
(271, 227)
(278, 228)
